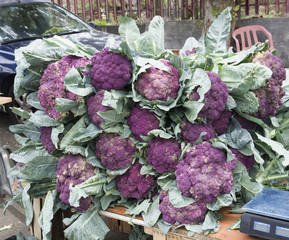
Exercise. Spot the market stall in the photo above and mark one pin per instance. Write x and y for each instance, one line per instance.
(174, 138)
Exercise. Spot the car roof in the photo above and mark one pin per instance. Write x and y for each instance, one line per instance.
(19, 2)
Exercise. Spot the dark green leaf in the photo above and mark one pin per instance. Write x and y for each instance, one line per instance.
(31, 132)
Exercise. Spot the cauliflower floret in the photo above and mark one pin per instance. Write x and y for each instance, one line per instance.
(73, 170)
(113, 151)
(156, 84)
(94, 105)
(52, 84)
(221, 124)
(163, 154)
(203, 173)
(110, 70)
(191, 132)
(141, 121)
(134, 185)
(190, 214)
(270, 95)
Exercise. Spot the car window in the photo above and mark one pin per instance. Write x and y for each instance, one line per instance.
(37, 20)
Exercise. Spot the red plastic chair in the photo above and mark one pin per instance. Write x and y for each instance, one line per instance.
(247, 33)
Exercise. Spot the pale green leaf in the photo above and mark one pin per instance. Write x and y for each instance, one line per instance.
(88, 226)
(218, 33)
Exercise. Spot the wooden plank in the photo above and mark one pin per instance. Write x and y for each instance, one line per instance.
(4, 100)
(36, 230)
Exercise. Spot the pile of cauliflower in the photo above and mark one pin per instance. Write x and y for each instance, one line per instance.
(125, 126)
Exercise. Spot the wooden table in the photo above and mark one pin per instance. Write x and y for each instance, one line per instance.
(118, 220)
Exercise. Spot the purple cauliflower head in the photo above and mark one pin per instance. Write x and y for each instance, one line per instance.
(215, 99)
(190, 214)
(156, 84)
(204, 173)
(52, 84)
(134, 185)
(45, 137)
(73, 170)
(141, 121)
(270, 95)
(222, 123)
(110, 70)
(94, 105)
(113, 151)
(191, 132)
(163, 154)
(248, 161)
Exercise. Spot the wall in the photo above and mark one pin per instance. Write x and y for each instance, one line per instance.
(176, 33)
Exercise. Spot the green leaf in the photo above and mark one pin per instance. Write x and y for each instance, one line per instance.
(46, 214)
(27, 204)
(178, 200)
(201, 49)
(244, 77)
(153, 213)
(247, 103)
(55, 134)
(41, 119)
(210, 224)
(218, 33)
(235, 225)
(194, 228)
(167, 181)
(201, 81)
(65, 105)
(33, 100)
(277, 147)
(243, 55)
(89, 225)
(156, 30)
(143, 206)
(164, 227)
(92, 186)
(28, 152)
(106, 200)
(129, 32)
(31, 132)
(87, 134)
(38, 169)
(75, 149)
(192, 110)
(68, 138)
(160, 133)
(20, 236)
(20, 112)
(223, 200)
(74, 83)
(250, 188)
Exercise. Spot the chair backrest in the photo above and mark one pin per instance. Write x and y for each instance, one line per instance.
(246, 34)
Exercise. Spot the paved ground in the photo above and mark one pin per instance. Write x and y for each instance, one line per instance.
(15, 217)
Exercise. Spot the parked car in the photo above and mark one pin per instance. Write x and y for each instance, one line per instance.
(22, 21)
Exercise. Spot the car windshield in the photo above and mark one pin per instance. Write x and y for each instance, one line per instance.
(35, 21)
